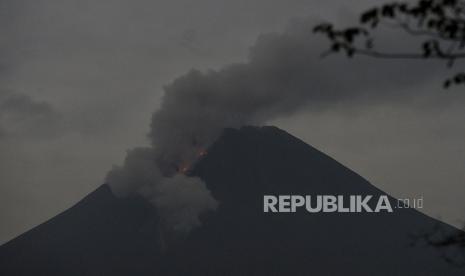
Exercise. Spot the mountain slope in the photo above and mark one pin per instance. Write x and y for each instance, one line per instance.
(101, 235)
(104, 235)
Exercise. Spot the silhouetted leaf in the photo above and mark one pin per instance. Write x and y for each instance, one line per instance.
(388, 10)
(447, 83)
(369, 15)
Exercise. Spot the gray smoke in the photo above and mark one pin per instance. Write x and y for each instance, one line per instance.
(283, 74)
(23, 116)
(179, 199)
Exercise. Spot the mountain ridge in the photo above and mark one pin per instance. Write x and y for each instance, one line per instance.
(105, 235)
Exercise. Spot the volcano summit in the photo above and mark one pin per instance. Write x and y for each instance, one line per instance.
(107, 235)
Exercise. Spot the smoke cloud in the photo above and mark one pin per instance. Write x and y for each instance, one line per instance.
(283, 74)
(23, 116)
(179, 199)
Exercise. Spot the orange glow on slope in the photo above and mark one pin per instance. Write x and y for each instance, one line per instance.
(185, 166)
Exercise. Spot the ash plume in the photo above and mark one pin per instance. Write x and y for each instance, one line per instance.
(283, 74)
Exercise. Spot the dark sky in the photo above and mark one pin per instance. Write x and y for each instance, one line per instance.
(80, 80)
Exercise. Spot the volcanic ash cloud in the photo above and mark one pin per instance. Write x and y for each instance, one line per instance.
(280, 76)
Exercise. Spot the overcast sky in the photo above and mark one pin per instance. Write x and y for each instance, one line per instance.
(79, 80)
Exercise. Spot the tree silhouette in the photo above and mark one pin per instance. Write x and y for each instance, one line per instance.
(440, 24)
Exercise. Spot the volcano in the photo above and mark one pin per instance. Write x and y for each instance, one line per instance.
(106, 235)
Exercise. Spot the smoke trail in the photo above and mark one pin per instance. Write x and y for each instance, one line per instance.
(195, 109)
(283, 73)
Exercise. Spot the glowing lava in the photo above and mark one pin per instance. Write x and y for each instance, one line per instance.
(185, 166)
